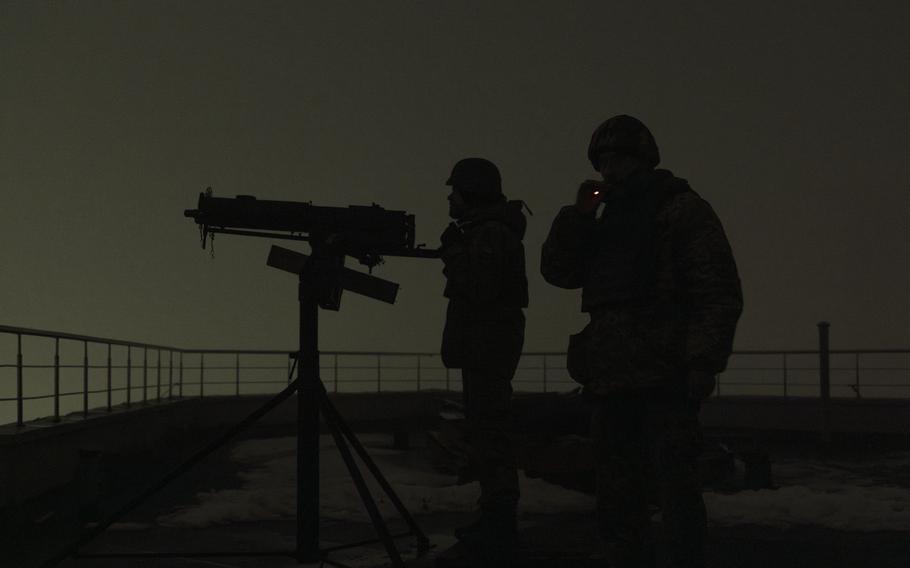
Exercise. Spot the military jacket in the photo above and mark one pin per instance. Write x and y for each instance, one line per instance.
(487, 287)
(658, 279)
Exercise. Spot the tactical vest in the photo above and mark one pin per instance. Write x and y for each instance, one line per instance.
(623, 267)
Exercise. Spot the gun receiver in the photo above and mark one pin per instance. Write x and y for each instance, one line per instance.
(364, 232)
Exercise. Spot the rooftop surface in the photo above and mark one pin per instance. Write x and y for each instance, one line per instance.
(848, 508)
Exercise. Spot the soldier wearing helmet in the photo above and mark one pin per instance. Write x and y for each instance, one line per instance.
(487, 288)
(660, 285)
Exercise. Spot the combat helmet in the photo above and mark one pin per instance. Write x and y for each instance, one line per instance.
(626, 135)
(477, 178)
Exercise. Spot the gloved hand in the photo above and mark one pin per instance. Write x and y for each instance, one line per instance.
(452, 246)
(700, 384)
(452, 235)
(590, 193)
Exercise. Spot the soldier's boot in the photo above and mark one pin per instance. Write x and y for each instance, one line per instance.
(469, 530)
(494, 542)
(457, 556)
(619, 556)
(504, 522)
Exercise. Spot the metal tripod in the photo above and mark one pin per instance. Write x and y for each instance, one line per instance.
(312, 399)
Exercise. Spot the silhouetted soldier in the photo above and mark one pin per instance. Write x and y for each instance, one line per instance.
(487, 288)
(661, 287)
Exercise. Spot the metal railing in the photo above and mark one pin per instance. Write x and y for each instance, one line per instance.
(58, 373)
(854, 373)
(61, 374)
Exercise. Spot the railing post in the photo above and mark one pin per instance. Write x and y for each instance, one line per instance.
(785, 374)
(84, 379)
(418, 372)
(129, 375)
(145, 375)
(448, 379)
(56, 379)
(237, 373)
(201, 375)
(180, 376)
(825, 377)
(158, 377)
(290, 359)
(378, 372)
(170, 375)
(544, 373)
(20, 421)
(109, 407)
(336, 372)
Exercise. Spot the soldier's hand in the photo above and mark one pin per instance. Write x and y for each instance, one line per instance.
(700, 384)
(452, 235)
(589, 195)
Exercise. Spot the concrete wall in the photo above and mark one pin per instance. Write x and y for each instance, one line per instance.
(862, 416)
(43, 455)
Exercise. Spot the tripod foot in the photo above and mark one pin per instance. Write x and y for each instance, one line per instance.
(423, 546)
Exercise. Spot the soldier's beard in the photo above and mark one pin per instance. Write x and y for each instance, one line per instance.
(614, 177)
(620, 169)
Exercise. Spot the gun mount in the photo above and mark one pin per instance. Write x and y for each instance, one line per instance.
(365, 233)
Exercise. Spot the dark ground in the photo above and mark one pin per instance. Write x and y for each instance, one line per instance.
(551, 540)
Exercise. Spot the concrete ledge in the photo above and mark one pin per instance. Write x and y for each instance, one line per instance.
(857, 416)
(43, 455)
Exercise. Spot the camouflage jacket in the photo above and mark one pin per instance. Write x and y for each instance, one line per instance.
(658, 279)
(487, 288)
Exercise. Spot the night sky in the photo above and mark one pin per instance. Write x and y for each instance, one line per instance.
(793, 122)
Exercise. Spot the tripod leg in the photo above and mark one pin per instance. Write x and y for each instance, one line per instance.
(378, 522)
(174, 474)
(331, 413)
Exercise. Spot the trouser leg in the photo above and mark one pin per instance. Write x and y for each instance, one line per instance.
(677, 443)
(489, 407)
(623, 517)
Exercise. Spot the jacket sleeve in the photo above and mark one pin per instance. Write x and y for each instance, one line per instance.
(563, 256)
(474, 267)
(712, 292)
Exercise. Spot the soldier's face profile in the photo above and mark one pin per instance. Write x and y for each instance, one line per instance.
(457, 205)
(616, 167)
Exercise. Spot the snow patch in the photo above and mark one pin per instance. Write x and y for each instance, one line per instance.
(829, 495)
(269, 490)
(844, 508)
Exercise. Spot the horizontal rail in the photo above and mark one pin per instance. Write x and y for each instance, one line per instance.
(138, 373)
(81, 338)
(125, 343)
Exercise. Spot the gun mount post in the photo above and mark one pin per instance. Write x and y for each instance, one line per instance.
(365, 233)
(308, 419)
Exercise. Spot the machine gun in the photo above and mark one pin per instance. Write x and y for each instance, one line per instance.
(366, 233)
(333, 233)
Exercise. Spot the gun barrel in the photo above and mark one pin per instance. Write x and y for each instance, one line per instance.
(423, 253)
(245, 212)
(364, 231)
